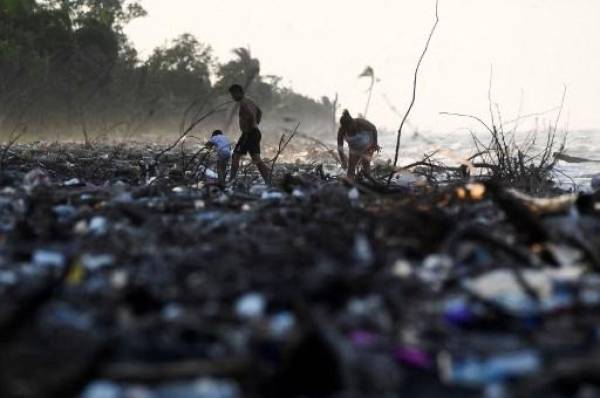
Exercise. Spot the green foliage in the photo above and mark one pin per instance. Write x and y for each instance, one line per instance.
(186, 55)
(16, 8)
(67, 65)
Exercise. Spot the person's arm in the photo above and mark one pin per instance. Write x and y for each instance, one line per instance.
(259, 114)
(210, 144)
(374, 136)
(340, 140)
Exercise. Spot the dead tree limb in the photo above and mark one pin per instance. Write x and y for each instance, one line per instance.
(414, 95)
(331, 150)
(283, 143)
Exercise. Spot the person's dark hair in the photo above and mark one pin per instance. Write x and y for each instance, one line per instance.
(217, 132)
(346, 118)
(236, 88)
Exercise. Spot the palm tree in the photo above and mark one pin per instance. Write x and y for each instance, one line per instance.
(370, 73)
(250, 66)
(244, 67)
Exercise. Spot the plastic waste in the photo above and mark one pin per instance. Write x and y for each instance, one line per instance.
(407, 179)
(102, 389)
(363, 338)
(258, 189)
(208, 216)
(172, 311)
(119, 279)
(459, 312)
(365, 306)
(35, 178)
(203, 388)
(123, 197)
(363, 252)
(73, 182)
(281, 324)
(354, 194)
(435, 269)
(208, 173)
(251, 306)
(76, 274)
(138, 392)
(503, 283)
(8, 278)
(554, 287)
(402, 269)
(271, 195)
(64, 315)
(590, 290)
(93, 262)
(414, 357)
(298, 193)
(81, 227)
(65, 212)
(98, 226)
(474, 371)
(48, 258)
(496, 390)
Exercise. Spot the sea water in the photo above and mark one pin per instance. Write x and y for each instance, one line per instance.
(453, 148)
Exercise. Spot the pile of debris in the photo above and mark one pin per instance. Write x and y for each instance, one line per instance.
(121, 277)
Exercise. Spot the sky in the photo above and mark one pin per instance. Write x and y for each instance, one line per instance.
(531, 49)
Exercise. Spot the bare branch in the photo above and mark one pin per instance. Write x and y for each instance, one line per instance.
(488, 128)
(192, 125)
(414, 95)
(283, 143)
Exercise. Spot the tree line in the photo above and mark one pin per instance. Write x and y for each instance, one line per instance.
(67, 67)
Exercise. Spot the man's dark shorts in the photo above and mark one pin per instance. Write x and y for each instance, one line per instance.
(249, 142)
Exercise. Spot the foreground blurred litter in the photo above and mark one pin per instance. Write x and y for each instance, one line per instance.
(121, 280)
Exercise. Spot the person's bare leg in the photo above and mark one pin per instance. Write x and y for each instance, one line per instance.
(262, 168)
(353, 159)
(366, 166)
(222, 170)
(235, 165)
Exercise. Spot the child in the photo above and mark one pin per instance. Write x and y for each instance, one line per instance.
(223, 147)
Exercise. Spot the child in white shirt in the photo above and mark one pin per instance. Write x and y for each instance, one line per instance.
(223, 147)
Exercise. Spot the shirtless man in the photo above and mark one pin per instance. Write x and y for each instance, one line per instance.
(361, 137)
(249, 142)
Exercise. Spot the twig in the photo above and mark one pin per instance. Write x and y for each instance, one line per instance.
(282, 145)
(488, 128)
(329, 148)
(13, 138)
(190, 128)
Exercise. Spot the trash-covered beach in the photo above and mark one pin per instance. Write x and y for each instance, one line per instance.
(124, 277)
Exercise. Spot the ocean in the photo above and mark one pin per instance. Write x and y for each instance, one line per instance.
(453, 148)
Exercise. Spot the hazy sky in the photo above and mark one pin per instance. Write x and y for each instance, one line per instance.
(320, 47)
